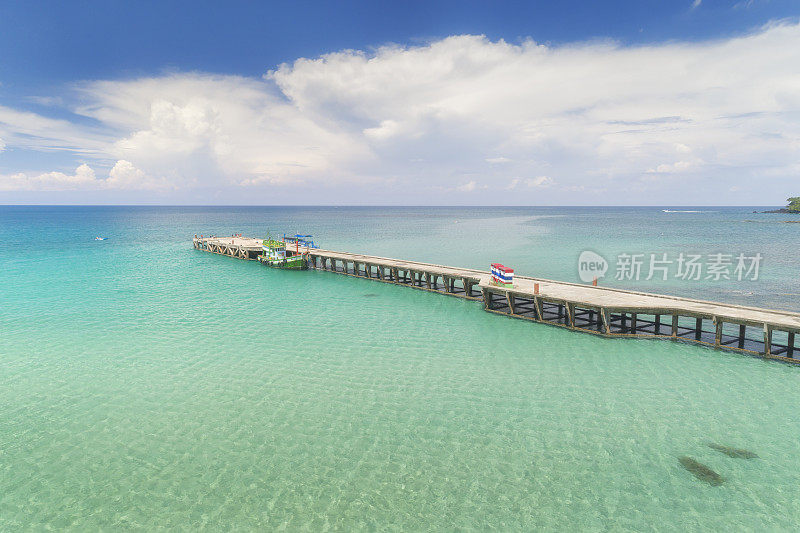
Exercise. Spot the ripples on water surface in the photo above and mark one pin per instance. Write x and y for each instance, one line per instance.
(144, 384)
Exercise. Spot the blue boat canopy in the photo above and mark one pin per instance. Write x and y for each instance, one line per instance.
(301, 240)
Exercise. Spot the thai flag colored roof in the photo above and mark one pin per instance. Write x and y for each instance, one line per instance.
(501, 268)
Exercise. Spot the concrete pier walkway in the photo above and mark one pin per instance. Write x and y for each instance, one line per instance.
(596, 310)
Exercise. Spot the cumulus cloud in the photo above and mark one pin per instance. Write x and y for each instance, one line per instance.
(580, 118)
(122, 176)
(49, 181)
(468, 187)
(677, 166)
(539, 181)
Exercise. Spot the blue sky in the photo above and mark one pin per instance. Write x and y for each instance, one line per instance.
(412, 102)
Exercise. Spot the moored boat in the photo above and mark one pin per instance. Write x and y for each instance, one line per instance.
(276, 255)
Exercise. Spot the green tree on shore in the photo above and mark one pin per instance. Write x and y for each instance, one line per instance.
(794, 204)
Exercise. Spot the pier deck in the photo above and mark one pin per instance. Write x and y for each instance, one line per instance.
(597, 310)
(241, 247)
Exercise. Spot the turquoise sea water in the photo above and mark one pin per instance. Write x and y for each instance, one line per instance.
(144, 384)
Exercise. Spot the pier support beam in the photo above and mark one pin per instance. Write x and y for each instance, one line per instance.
(767, 340)
(718, 332)
(606, 320)
(468, 287)
(537, 307)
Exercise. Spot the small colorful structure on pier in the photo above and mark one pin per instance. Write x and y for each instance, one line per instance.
(502, 275)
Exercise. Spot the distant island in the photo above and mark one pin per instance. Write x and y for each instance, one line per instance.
(793, 207)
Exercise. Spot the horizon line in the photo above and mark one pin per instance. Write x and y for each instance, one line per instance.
(390, 205)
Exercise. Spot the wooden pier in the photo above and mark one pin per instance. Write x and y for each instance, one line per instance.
(597, 310)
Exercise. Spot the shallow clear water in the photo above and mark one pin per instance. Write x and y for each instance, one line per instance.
(145, 384)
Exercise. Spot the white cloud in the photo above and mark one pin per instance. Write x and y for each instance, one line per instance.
(539, 182)
(227, 130)
(126, 176)
(49, 181)
(468, 187)
(596, 115)
(46, 101)
(696, 4)
(386, 130)
(671, 168)
(26, 130)
(122, 176)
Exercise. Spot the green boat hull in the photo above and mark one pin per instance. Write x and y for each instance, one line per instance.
(290, 263)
